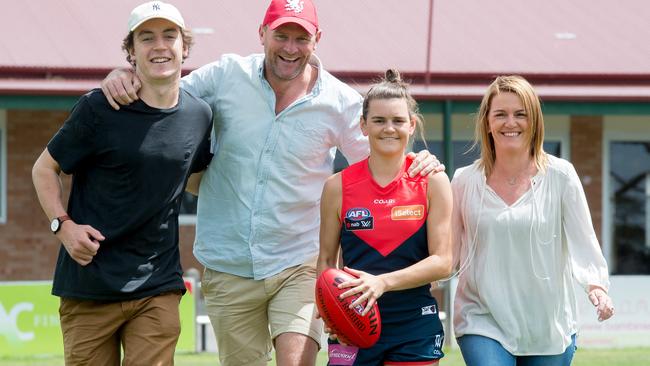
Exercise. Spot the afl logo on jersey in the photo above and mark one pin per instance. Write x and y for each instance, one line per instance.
(358, 219)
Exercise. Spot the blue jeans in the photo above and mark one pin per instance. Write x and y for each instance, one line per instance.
(483, 351)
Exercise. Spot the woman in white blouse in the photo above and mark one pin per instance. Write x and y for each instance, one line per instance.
(523, 232)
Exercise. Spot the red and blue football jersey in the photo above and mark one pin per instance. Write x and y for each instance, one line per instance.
(383, 229)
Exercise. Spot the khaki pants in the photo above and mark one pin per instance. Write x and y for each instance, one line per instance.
(243, 309)
(147, 329)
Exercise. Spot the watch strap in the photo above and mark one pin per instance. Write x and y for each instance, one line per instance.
(59, 221)
(63, 218)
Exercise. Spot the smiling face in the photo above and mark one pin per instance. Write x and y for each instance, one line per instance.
(158, 50)
(508, 123)
(388, 126)
(287, 50)
(510, 97)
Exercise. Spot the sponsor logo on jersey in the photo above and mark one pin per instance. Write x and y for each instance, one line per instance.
(387, 202)
(341, 355)
(358, 218)
(412, 212)
(429, 310)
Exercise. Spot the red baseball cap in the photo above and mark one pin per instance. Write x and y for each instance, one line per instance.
(301, 12)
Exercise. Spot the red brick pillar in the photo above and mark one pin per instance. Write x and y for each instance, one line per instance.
(587, 157)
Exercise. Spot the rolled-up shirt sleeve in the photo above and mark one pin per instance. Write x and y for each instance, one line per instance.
(587, 261)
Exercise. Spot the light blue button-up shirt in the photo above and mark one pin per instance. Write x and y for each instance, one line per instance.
(258, 207)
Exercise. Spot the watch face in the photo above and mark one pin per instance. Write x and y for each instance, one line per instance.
(54, 225)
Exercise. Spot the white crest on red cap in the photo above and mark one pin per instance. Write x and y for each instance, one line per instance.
(295, 5)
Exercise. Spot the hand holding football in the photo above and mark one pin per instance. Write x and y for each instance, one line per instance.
(347, 323)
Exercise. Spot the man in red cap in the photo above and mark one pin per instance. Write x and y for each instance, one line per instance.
(278, 117)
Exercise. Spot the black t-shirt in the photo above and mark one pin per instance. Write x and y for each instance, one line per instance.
(129, 171)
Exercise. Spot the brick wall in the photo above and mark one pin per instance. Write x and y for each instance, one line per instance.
(27, 248)
(587, 157)
(26, 245)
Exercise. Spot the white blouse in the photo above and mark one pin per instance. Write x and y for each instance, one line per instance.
(517, 262)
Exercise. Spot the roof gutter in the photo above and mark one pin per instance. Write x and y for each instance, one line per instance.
(427, 73)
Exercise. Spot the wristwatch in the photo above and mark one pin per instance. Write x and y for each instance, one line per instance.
(55, 225)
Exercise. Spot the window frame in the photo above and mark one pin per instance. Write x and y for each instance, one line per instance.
(3, 166)
(617, 128)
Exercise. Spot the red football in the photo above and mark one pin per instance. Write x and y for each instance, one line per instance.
(348, 324)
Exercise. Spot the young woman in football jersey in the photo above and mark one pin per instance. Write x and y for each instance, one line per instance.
(392, 231)
(523, 232)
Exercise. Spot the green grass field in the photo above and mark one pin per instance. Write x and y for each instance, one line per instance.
(583, 357)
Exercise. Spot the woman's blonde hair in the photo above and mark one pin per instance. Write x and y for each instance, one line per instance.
(522, 88)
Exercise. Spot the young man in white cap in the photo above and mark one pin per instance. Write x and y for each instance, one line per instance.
(278, 117)
(118, 272)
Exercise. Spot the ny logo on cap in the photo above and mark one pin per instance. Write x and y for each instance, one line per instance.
(295, 5)
(155, 6)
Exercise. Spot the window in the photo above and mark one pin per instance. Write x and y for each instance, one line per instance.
(629, 193)
(626, 194)
(3, 166)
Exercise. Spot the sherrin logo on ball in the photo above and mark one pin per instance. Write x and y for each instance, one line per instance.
(348, 324)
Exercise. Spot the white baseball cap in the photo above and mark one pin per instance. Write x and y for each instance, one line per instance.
(152, 10)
